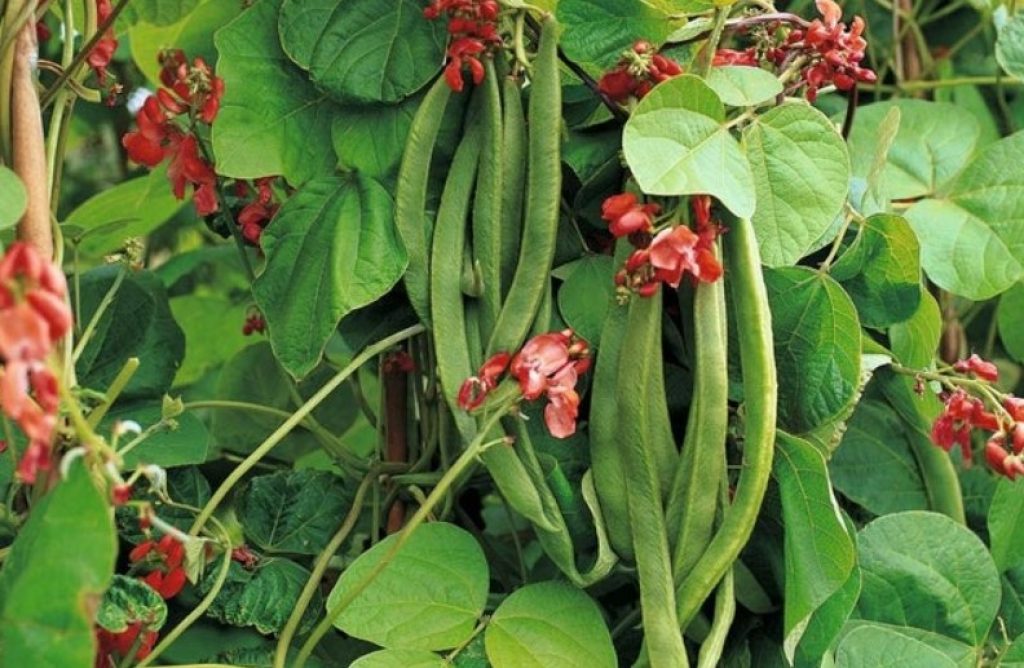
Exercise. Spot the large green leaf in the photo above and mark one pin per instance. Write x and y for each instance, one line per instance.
(193, 34)
(213, 333)
(13, 199)
(158, 12)
(272, 119)
(819, 552)
(673, 150)
(587, 294)
(596, 32)
(741, 86)
(293, 511)
(1010, 46)
(972, 240)
(55, 575)
(138, 323)
(1010, 318)
(132, 208)
(915, 341)
(263, 597)
(877, 646)
(429, 597)
(685, 91)
(802, 174)
(817, 346)
(1006, 525)
(881, 271)
(361, 50)
(332, 248)
(187, 443)
(400, 658)
(826, 624)
(549, 624)
(874, 465)
(371, 139)
(925, 570)
(933, 143)
(1014, 657)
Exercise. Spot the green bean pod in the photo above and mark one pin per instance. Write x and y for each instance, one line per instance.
(692, 501)
(447, 309)
(513, 178)
(636, 434)
(411, 196)
(543, 197)
(488, 201)
(760, 391)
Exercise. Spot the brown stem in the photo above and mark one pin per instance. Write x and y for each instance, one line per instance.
(28, 146)
(395, 377)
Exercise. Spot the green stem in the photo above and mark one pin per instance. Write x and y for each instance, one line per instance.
(721, 16)
(108, 299)
(298, 416)
(124, 376)
(285, 641)
(465, 460)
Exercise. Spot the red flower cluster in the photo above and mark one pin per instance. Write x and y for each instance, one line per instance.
(101, 55)
(978, 367)
(960, 415)
(1003, 462)
(166, 556)
(191, 91)
(746, 57)
(254, 323)
(121, 643)
(473, 26)
(638, 71)
(835, 51)
(34, 316)
(548, 364)
(672, 253)
(257, 214)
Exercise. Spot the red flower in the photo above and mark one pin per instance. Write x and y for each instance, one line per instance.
(475, 389)
(678, 250)
(473, 27)
(747, 57)
(627, 216)
(539, 360)
(121, 644)
(637, 72)
(979, 367)
(617, 84)
(168, 577)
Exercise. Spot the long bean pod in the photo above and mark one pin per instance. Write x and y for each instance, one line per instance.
(760, 391)
(411, 195)
(488, 204)
(513, 125)
(543, 197)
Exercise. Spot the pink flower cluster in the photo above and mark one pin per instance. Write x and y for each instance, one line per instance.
(34, 316)
(671, 253)
(548, 364)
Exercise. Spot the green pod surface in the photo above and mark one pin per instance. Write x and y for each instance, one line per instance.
(637, 433)
(411, 196)
(760, 391)
(513, 178)
(488, 202)
(693, 499)
(543, 197)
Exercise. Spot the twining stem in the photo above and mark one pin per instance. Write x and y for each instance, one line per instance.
(297, 417)
(121, 380)
(322, 562)
(104, 304)
(458, 467)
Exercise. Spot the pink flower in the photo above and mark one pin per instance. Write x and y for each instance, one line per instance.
(541, 358)
(678, 250)
(625, 215)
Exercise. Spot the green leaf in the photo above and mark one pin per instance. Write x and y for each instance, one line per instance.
(801, 173)
(740, 86)
(362, 51)
(138, 323)
(193, 34)
(596, 32)
(819, 553)
(1010, 318)
(185, 485)
(874, 199)
(158, 12)
(293, 511)
(1006, 525)
(1014, 657)
(549, 624)
(400, 658)
(933, 143)
(881, 271)
(371, 139)
(184, 443)
(915, 341)
(826, 624)
(213, 333)
(925, 570)
(48, 594)
(817, 346)
(587, 294)
(264, 597)
(874, 465)
(130, 600)
(272, 119)
(334, 243)
(972, 240)
(1010, 46)
(875, 646)
(13, 199)
(130, 209)
(676, 151)
(685, 91)
(429, 597)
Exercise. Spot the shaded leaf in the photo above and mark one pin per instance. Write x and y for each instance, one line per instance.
(264, 597)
